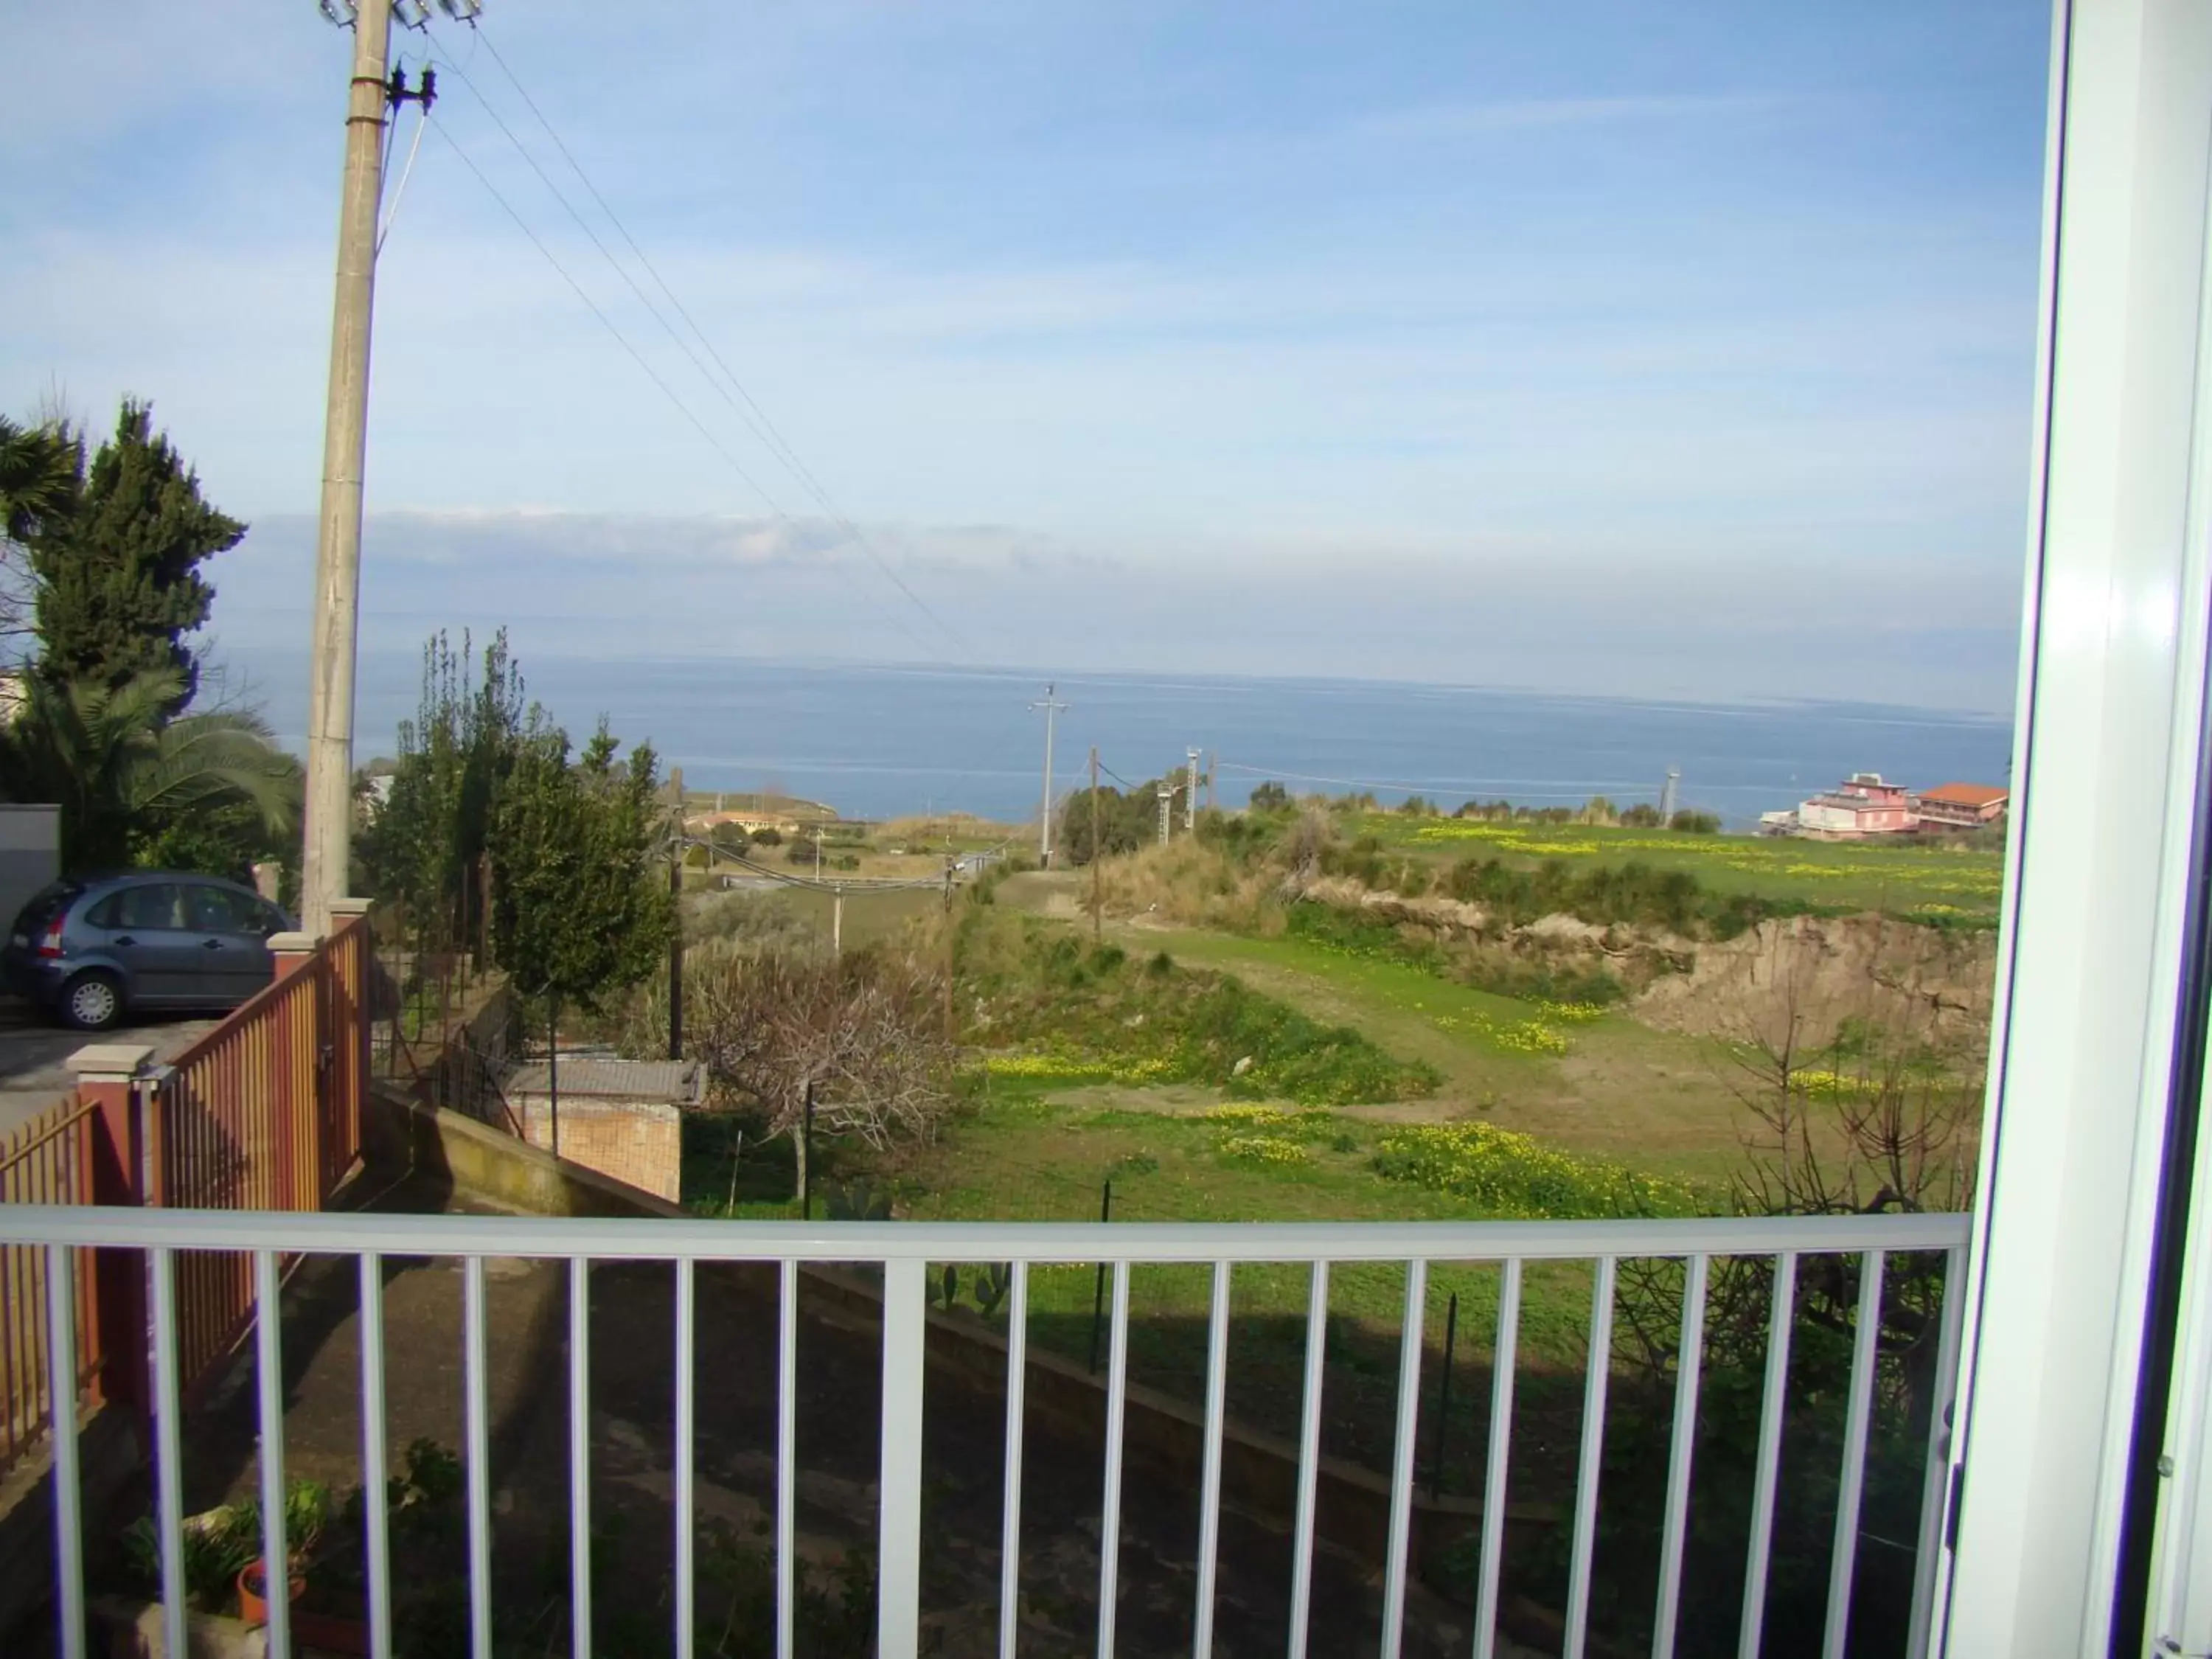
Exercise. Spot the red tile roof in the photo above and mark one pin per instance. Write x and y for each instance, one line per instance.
(1976, 795)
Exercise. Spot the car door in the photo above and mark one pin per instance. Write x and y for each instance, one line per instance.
(145, 933)
(232, 942)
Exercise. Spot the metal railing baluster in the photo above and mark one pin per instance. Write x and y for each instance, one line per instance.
(1591, 1463)
(1209, 1485)
(69, 1492)
(168, 1449)
(1109, 1516)
(276, 1552)
(375, 1456)
(686, 1422)
(1501, 1446)
(898, 1591)
(1413, 1332)
(1753, 1625)
(579, 1457)
(1843, 1561)
(1301, 1546)
(1010, 1531)
(476, 1431)
(1688, 1368)
(787, 1459)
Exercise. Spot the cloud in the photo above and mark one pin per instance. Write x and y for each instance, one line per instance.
(1498, 611)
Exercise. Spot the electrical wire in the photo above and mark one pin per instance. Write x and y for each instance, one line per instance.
(392, 213)
(758, 421)
(636, 356)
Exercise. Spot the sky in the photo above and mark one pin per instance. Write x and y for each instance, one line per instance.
(1607, 348)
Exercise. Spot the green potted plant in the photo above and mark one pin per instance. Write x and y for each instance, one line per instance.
(307, 1512)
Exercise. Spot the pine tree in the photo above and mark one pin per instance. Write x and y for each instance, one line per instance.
(118, 563)
(575, 914)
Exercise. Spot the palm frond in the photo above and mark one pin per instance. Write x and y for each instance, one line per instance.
(202, 758)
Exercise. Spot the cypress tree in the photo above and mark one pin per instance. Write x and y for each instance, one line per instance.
(118, 563)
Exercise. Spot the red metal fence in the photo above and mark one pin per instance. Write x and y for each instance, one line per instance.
(262, 1112)
(46, 1161)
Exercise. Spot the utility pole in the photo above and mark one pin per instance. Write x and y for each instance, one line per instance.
(951, 942)
(817, 852)
(1190, 791)
(1097, 853)
(675, 905)
(1052, 708)
(327, 832)
(1166, 808)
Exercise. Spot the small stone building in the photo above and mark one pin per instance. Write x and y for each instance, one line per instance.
(621, 1117)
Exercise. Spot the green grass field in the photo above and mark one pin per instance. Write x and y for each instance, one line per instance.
(1928, 881)
(1621, 1090)
(1043, 1147)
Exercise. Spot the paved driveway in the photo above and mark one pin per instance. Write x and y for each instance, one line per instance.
(32, 1049)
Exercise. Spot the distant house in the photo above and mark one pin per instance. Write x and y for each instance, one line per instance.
(1963, 807)
(1861, 806)
(751, 823)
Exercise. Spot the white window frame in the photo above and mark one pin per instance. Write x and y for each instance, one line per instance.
(2110, 718)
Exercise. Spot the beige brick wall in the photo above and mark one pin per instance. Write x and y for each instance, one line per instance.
(639, 1142)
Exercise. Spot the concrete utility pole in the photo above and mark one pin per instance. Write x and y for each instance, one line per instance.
(1190, 791)
(676, 851)
(1166, 808)
(1052, 709)
(1098, 855)
(326, 853)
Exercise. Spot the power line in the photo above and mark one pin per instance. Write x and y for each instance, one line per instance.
(757, 421)
(638, 357)
(607, 322)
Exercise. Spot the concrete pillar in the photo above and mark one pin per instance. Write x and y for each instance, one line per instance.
(290, 950)
(107, 1077)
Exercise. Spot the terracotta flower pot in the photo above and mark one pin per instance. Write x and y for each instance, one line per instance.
(253, 1597)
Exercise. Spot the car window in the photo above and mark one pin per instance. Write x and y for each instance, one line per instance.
(46, 903)
(219, 911)
(157, 904)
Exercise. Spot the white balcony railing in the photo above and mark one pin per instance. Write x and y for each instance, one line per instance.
(905, 1252)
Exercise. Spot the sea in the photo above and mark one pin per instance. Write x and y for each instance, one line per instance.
(885, 741)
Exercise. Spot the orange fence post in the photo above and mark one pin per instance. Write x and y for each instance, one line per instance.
(107, 1075)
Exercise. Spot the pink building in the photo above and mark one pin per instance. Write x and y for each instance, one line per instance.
(1860, 806)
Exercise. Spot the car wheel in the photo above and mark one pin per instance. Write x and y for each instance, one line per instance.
(92, 1002)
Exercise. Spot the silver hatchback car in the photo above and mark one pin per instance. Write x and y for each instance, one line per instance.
(90, 949)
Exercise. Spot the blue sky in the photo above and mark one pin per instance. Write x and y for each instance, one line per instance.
(1601, 347)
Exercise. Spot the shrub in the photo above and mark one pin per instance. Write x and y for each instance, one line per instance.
(1516, 1174)
(1271, 1151)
